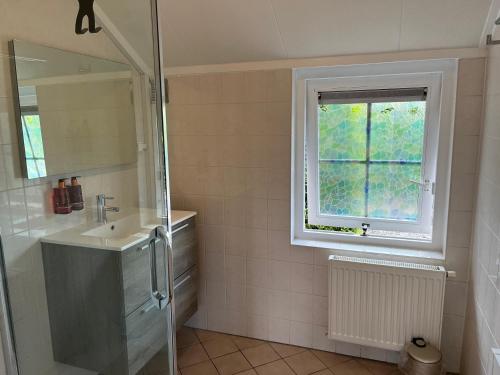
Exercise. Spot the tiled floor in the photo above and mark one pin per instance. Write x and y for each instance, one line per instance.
(210, 353)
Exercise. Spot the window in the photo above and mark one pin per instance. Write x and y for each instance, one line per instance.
(371, 161)
(33, 142)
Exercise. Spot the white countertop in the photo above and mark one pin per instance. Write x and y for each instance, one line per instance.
(126, 230)
(180, 216)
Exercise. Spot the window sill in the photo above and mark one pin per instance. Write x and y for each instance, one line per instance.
(376, 251)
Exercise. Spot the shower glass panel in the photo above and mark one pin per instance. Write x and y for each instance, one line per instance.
(90, 291)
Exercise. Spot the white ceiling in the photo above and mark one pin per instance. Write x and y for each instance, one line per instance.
(200, 32)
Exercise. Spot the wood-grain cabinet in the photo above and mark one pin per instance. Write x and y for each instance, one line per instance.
(103, 312)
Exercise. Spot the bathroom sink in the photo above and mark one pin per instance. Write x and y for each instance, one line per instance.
(120, 229)
(128, 230)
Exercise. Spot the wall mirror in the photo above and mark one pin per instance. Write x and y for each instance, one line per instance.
(75, 112)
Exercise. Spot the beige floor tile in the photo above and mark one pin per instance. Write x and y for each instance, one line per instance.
(260, 355)
(330, 359)
(191, 355)
(186, 337)
(246, 342)
(203, 368)
(231, 364)
(204, 335)
(275, 368)
(305, 363)
(287, 350)
(377, 367)
(219, 347)
(236, 355)
(350, 368)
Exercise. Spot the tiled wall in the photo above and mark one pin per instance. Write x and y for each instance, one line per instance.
(25, 208)
(482, 332)
(229, 139)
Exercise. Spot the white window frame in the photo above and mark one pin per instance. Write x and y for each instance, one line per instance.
(439, 76)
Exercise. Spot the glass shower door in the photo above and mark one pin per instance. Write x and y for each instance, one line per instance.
(89, 292)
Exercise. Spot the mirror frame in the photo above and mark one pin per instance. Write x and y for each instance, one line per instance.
(18, 109)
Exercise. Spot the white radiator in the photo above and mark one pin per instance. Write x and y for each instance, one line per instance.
(384, 304)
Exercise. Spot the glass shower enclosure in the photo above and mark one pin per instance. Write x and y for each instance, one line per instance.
(86, 260)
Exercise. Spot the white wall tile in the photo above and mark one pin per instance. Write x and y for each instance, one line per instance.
(257, 272)
(214, 267)
(459, 228)
(455, 298)
(280, 304)
(279, 245)
(320, 310)
(257, 301)
(457, 259)
(279, 183)
(321, 340)
(320, 282)
(257, 243)
(301, 254)
(301, 334)
(302, 307)
(236, 322)
(236, 241)
(279, 214)
(469, 115)
(302, 278)
(279, 330)
(235, 269)
(471, 76)
(214, 239)
(236, 296)
(18, 210)
(280, 275)
(216, 319)
(216, 294)
(258, 327)
(5, 219)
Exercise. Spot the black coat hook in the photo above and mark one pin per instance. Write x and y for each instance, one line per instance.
(86, 8)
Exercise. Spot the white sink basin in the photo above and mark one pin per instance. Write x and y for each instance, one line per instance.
(120, 229)
(117, 235)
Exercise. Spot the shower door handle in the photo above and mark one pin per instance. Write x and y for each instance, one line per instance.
(169, 278)
(159, 298)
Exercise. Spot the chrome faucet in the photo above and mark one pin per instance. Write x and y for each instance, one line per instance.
(102, 209)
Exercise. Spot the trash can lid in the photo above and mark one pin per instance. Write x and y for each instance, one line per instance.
(427, 354)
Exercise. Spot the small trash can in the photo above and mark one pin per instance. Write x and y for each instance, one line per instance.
(421, 358)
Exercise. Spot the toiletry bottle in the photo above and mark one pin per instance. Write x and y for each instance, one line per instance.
(61, 198)
(75, 194)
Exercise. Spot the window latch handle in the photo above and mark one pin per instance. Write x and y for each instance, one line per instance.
(364, 228)
(427, 185)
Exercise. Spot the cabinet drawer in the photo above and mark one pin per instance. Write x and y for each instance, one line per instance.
(137, 266)
(184, 246)
(186, 296)
(147, 334)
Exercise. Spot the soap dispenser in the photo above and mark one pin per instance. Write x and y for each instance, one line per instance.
(62, 203)
(75, 194)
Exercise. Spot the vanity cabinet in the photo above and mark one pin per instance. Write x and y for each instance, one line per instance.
(103, 312)
(185, 253)
(110, 308)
